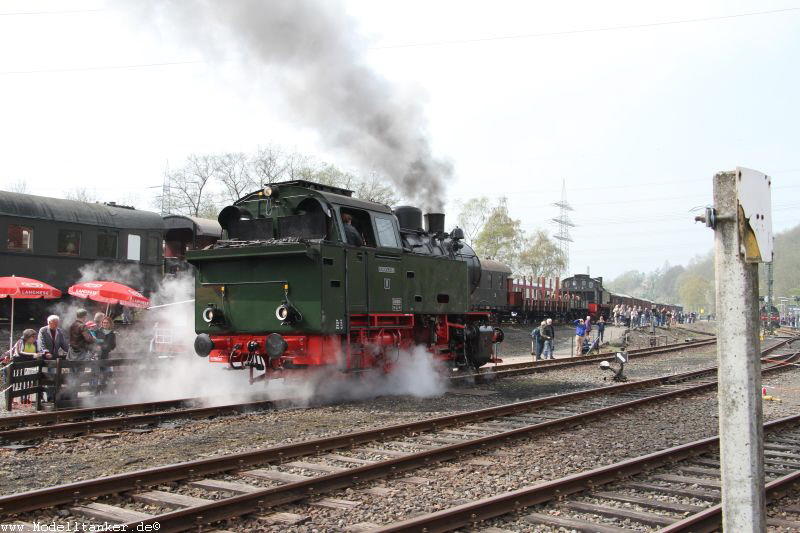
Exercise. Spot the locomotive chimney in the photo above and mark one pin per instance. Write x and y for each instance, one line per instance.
(434, 222)
(409, 218)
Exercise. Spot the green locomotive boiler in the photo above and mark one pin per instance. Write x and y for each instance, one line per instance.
(290, 286)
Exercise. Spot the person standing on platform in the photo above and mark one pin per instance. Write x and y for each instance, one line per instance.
(580, 331)
(548, 333)
(535, 333)
(51, 340)
(81, 340)
(601, 327)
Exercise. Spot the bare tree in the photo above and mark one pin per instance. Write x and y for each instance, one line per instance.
(233, 172)
(501, 237)
(472, 216)
(375, 189)
(188, 186)
(20, 186)
(541, 257)
(302, 167)
(268, 164)
(80, 194)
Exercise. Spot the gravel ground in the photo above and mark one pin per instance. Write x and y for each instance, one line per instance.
(530, 462)
(524, 463)
(84, 458)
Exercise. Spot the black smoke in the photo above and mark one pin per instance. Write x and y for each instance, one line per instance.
(316, 56)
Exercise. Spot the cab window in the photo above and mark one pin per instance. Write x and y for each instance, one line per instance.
(387, 236)
(361, 222)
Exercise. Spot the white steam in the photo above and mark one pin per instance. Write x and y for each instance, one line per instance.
(164, 336)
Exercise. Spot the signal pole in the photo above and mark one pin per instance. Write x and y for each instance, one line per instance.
(742, 223)
(166, 206)
(770, 297)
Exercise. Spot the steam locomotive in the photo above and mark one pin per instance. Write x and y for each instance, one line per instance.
(283, 290)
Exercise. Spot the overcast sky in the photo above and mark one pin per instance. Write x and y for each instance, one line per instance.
(634, 106)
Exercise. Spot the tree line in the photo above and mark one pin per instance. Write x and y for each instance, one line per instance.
(205, 183)
(693, 285)
(494, 234)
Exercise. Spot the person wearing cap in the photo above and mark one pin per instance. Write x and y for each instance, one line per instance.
(25, 348)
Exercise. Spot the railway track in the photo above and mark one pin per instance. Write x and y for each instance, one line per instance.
(262, 479)
(129, 416)
(550, 364)
(673, 490)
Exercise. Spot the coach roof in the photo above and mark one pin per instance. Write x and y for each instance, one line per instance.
(495, 266)
(201, 227)
(20, 205)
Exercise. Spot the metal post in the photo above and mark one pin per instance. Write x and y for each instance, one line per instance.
(770, 298)
(7, 383)
(39, 385)
(57, 384)
(740, 411)
(11, 326)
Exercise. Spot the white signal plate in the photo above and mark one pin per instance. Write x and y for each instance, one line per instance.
(754, 191)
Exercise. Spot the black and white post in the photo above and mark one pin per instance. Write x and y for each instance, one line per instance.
(742, 223)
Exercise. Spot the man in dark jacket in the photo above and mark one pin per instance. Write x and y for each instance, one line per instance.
(80, 340)
(352, 234)
(51, 340)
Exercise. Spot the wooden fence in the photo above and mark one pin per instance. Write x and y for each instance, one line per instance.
(65, 383)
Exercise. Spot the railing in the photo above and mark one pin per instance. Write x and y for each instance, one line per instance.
(64, 383)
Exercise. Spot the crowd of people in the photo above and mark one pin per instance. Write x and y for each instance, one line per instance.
(84, 340)
(633, 316)
(543, 337)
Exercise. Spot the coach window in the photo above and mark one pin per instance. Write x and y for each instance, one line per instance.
(134, 247)
(387, 236)
(69, 242)
(107, 245)
(152, 248)
(20, 238)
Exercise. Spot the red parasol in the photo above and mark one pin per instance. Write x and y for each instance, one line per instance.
(17, 287)
(110, 292)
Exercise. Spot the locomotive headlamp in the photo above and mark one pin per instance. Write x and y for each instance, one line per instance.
(270, 191)
(288, 314)
(282, 312)
(212, 315)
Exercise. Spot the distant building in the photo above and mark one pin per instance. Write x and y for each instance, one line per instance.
(588, 289)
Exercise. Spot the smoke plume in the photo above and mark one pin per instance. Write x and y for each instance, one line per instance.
(314, 54)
